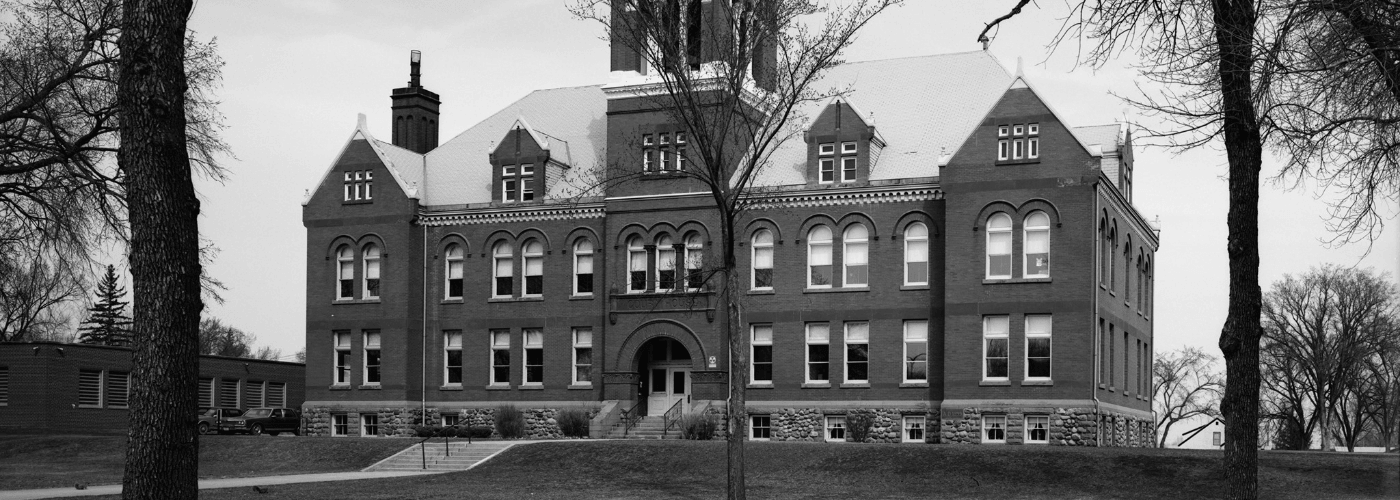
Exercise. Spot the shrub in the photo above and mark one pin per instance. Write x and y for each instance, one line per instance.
(858, 426)
(701, 426)
(447, 431)
(510, 422)
(423, 431)
(477, 432)
(573, 423)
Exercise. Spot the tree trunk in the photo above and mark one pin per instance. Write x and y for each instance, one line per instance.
(738, 363)
(1239, 340)
(162, 451)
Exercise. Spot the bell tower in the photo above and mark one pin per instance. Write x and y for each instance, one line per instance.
(415, 112)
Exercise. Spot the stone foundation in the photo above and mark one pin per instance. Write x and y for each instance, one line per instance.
(1067, 427)
(809, 424)
(540, 423)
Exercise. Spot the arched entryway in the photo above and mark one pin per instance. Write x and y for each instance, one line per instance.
(664, 366)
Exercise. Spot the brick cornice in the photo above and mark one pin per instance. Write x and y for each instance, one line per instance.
(512, 214)
(847, 196)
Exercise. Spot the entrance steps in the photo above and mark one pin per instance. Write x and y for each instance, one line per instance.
(435, 456)
(646, 428)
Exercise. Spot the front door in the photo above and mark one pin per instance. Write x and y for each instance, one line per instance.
(668, 386)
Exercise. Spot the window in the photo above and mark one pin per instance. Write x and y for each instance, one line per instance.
(583, 267)
(1128, 272)
(848, 148)
(680, 157)
(503, 271)
(508, 188)
(228, 393)
(827, 149)
(1033, 129)
(452, 358)
(369, 425)
(89, 388)
(1216, 439)
(761, 359)
(345, 273)
(1112, 362)
(818, 353)
(1038, 346)
(916, 254)
(819, 257)
(118, 389)
(680, 137)
(760, 427)
(665, 159)
(359, 185)
(1037, 249)
(827, 171)
(858, 352)
(1018, 130)
(206, 391)
(527, 182)
(276, 394)
(253, 394)
(999, 246)
(1003, 131)
(371, 271)
(836, 428)
(994, 429)
(916, 351)
(1125, 360)
(1003, 150)
(1037, 429)
(533, 252)
(371, 349)
(451, 420)
(342, 359)
(647, 140)
(534, 356)
(5, 386)
(636, 265)
(583, 356)
(1112, 262)
(995, 344)
(694, 262)
(340, 424)
(856, 255)
(913, 429)
(500, 357)
(848, 169)
(665, 264)
(762, 278)
(1033, 143)
(454, 271)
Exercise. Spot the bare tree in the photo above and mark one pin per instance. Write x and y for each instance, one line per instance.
(162, 448)
(34, 293)
(1383, 405)
(1185, 385)
(738, 92)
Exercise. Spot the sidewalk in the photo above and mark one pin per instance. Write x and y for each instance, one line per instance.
(205, 484)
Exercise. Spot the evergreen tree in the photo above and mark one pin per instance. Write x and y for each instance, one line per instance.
(107, 321)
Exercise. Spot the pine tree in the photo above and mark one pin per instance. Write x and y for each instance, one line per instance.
(107, 321)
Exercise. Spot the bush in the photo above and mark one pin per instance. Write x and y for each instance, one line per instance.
(447, 431)
(701, 426)
(477, 432)
(858, 426)
(424, 431)
(510, 422)
(573, 423)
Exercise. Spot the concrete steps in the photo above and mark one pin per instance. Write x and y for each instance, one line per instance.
(646, 428)
(463, 456)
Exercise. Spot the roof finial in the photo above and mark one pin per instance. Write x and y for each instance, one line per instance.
(414, 59)
(1019, 72)
(361, 123)
(986, 42)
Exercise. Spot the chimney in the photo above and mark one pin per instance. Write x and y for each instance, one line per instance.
(415, 112)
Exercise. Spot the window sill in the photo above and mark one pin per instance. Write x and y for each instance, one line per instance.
(760, 385)
(581, 297)
(1101, 386)
(914, 384)
(515, 299)
(531, 387)
(662, 174)
(837, 290)
(496, 387)
(352, 301)
(450, 388)
(1037, 382)
(369, 387)
(995, 383)
(762, 292)
(914, 287)
(1022, 161)
(816, 385)
(1112, 389)
(856, 385)
(999, 281)
(579, 387)
(339, 387)
(356, 202)
(454, 300)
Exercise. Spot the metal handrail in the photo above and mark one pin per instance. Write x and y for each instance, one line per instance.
(671, 417)
(630, 418)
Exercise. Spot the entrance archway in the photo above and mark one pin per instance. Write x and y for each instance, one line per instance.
(663, 367)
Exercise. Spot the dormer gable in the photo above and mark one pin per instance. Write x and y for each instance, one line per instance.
(842, 145)
(523, 167)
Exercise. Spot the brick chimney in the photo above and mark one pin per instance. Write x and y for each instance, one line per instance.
(415, 112)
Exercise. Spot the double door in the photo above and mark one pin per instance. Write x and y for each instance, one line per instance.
(668, 385)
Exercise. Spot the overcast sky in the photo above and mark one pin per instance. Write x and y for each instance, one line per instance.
(297, 75)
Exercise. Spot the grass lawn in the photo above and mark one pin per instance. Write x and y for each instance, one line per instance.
(50, 461)
(689, 469)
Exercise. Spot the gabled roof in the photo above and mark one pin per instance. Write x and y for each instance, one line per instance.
(1022, 83)
(1108, 137)
(406, 167)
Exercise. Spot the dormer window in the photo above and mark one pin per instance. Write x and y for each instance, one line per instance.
(509, 184)
(842, 145)
(848, 148)
(680, 137)
(828, 170)
(359, 185)
(647, 140)
(660, 154)
(665, 139)
(527, 184)
(826, 149)
(1018, 142)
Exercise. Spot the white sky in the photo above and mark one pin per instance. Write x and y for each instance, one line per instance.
(297, 75)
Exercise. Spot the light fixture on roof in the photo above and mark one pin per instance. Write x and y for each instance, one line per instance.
(986, 42)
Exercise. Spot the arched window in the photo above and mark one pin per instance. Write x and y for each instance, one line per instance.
(694, 261)
(665, 264)
(1128, 271)
(454, 271)
(1142, 277)
(999, 246)
(345, 273)
(533, 252)
(583, 267)
(636, 265)
(1103, 252)
(916, 254)
(1037, 246)
(856, 255)
(1112, 260)
(1151, 280)
(762, 278)
(819, 257)
(371, 271)
(503, 270)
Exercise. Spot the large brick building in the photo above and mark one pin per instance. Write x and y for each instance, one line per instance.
(900, 263)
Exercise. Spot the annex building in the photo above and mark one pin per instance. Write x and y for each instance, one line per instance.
(938, 248)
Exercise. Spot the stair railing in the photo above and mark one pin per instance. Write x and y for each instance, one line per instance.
(671, 417)
(630, 418)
